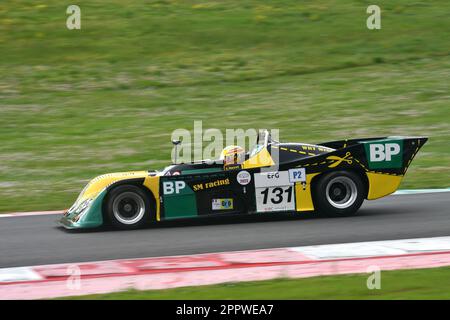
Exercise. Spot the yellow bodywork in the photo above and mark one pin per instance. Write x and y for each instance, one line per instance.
(261, 159)
(381, 185)
(94, 192)
(303, 196)
(152, 183)
(96, 185)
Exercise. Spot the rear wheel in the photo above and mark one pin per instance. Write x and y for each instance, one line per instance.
(128, 207)
(339, 193)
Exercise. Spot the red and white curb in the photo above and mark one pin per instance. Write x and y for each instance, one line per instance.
(202, 269)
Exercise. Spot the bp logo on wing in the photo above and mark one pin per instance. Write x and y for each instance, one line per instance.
(384, 154)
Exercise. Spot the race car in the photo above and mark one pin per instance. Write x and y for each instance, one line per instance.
(331, 178)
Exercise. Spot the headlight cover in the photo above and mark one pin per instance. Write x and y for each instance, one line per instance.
(83, 206)
(78, 209)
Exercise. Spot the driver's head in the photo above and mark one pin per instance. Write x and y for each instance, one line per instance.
(232, 155)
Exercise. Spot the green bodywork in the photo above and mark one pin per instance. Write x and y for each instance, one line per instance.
(180, 205)
(90, 218)
(201, 171)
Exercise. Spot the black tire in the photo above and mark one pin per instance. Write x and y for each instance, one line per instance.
(128, 207)
(339, 193)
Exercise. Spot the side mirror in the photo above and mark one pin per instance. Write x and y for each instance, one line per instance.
(176, 143)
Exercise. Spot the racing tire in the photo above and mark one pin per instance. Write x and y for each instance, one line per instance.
(339, 193)
(128, 207)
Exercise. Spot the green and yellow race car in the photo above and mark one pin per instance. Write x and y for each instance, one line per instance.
(331, 178)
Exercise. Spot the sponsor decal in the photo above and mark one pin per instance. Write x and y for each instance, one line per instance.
(209, 185)
(384, 154)
(222, 204)
(337, 160)
(297, 175)
(272, 179)
(280, 198)
(274, 191)
(171, 187)
(244, 178)
(232, 167)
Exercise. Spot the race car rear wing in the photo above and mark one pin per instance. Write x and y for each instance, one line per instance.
(388, 155)
(392, 154)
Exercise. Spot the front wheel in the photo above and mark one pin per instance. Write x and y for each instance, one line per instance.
(339, 193)
(128, 207)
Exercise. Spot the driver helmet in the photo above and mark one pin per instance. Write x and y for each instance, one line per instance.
(232, 155)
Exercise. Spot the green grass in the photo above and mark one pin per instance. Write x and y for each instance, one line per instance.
(404, 284)
(76, 104)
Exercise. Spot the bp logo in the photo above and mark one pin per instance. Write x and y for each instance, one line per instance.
(171, 187)
(384, 154)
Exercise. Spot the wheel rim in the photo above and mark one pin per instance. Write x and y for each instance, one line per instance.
(341, 192)
(128, 208)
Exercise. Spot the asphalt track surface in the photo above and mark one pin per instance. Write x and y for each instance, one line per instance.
(37, 240)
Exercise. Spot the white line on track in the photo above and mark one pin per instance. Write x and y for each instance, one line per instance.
(420, 191)
(33, 213)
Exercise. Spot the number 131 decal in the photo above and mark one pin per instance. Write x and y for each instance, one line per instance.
(277, 195)
(275, 198)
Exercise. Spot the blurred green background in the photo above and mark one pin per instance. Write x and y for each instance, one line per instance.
(78, 103)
